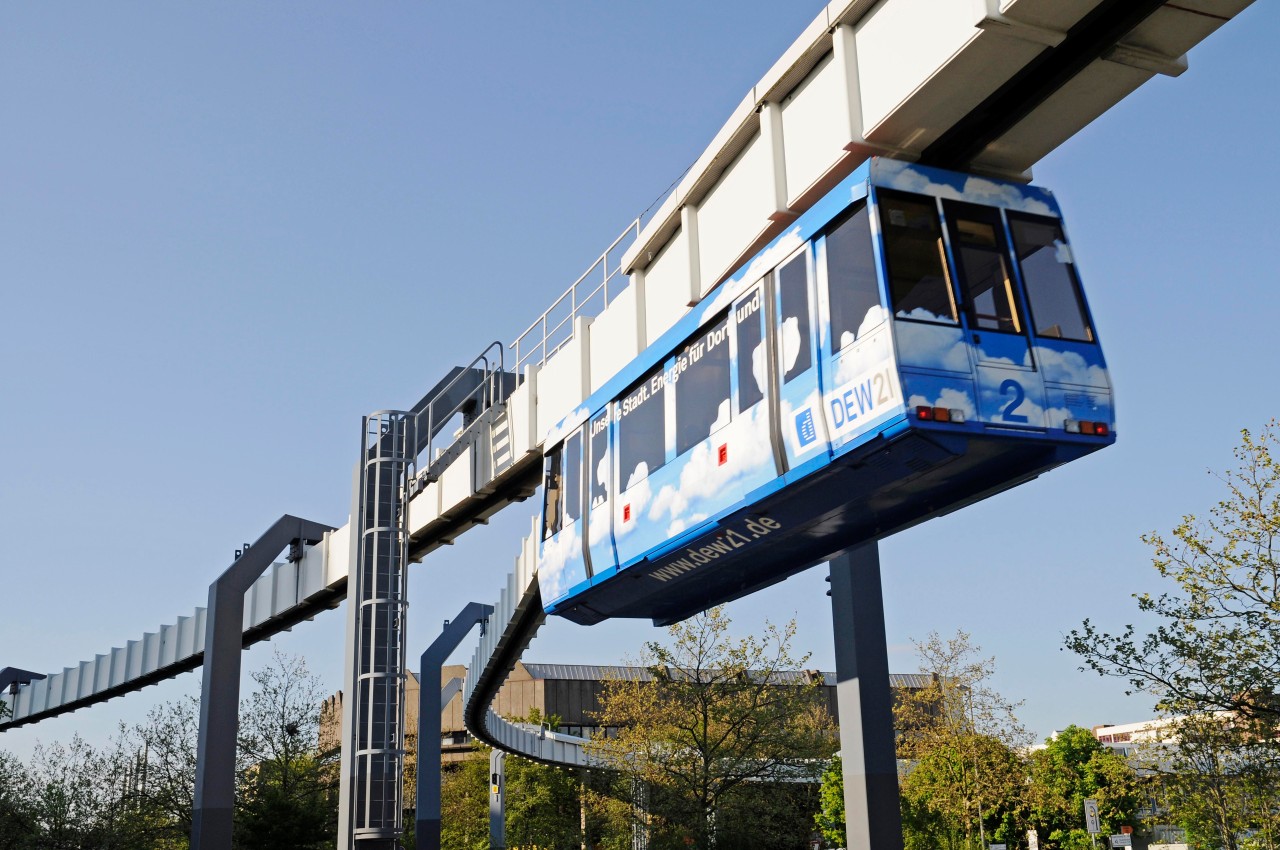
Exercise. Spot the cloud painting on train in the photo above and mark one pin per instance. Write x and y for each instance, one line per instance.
(915, 338)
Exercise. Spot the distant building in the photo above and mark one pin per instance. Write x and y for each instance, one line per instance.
(570, 692)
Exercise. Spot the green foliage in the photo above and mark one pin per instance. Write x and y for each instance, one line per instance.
(136, 791)
(165, 748)
(75, 796)
(464, 804)
(1217, 645)
(959, 739)
(287, 789)
(830, 817)
(1220, 784)
(955, 784)
(713, 721)
(544, 805)
(1212, 662)
(1074, 767)
(15, 814)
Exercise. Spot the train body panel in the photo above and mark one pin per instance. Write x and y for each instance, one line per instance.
(916, 341)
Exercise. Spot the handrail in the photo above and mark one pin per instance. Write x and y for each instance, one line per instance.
(527, 345)
(490, 391)
(540, 340)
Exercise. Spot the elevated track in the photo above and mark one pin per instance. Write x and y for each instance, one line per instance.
(991, 86)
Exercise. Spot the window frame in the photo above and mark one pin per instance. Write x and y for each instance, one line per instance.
(720, 320)
(1003, 247)
(1077, 288)
(743, 371)
(592, 462)
(881, 196)
(822, 269)
(559, 456)
(620, 418)
(554, 459)
(804, 257)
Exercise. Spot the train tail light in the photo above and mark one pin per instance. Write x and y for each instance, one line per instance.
(1084, 426)
(940, 414)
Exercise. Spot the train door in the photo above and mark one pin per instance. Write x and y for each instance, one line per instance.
(930, 343)
(753, 459)
(599, 473)
(1010, 390)
(802, 425)
(561, 564)
(861, 387)
(640, 451)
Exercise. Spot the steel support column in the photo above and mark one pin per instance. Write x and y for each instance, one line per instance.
(872, 818)
(211, 814)
(497, 800)
(371, 785)
(426, 834)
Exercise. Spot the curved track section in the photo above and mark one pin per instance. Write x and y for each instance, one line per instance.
(516, 618)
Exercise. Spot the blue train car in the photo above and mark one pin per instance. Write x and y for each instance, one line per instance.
(916, 341)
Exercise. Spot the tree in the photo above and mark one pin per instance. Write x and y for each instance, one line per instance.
(287, 788)
(80, 798)
(960, 740)
(464, 804)
(16, 821)
(1212, 662)
(165, 750)
(1074, 767)
(713, 718)
(544, 805)
(1215, 785)
(830, 818)
(1217, 643)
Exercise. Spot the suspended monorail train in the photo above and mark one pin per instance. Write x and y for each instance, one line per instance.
(914, 342)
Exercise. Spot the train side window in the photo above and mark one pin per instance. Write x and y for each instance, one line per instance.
(701, 378)
(553, 493)
(642, 430)
(573, 478)
(982, 264)
(753, 360)
(794, 339)
(598, 464)
(1048, 272)
(918, 283)
(852, 288)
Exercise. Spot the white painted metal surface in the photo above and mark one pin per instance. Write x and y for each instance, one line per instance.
(286, 594)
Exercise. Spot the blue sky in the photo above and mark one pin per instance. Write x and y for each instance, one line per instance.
(229, 231)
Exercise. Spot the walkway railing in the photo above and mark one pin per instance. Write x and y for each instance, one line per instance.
(587, 296)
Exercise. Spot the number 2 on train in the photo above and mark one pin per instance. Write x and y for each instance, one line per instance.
(1019, 396)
